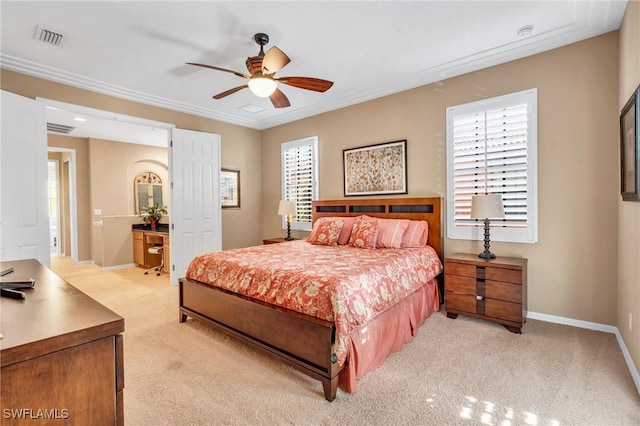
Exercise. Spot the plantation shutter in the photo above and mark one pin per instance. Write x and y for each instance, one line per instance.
(299, 182)
(492, 146)
(490, 157)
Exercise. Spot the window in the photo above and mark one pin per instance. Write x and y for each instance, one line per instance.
(492, 148)
(299, 179)
(148, 190)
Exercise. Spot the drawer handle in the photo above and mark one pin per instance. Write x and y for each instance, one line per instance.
(479, 297)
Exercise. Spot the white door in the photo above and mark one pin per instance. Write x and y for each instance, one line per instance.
(195, 211)
(24, 220)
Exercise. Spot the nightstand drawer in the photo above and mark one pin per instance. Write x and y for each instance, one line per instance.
(505, 275)
(460, 269)
(465, 285)
(503, 310)
(460, 302)
(503, 291)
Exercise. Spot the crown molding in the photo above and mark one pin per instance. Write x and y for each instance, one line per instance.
(13, 63)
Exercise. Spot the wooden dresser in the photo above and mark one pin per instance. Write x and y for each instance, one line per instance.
(61, 355)
(490, 289)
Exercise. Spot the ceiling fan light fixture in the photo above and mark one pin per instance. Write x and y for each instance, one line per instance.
(262, 86)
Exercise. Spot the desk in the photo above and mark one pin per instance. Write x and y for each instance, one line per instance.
(61, 356)
(141, 255)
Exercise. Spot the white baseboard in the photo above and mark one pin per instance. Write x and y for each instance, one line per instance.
(113, 268)
(635, 375)
(84, 262)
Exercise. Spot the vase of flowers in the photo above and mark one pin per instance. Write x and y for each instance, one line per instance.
(152, 214)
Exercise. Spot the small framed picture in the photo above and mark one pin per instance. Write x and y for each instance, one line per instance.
(629, 154)
(230, 188)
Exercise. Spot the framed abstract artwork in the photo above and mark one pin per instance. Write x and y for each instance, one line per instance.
(375, 169)
(230, 188)
(629, 153)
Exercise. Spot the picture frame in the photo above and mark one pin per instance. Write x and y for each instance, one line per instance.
(629, 153)
(230, 188)
(377, 169)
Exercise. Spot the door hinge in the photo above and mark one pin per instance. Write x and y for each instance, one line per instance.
(171, 143)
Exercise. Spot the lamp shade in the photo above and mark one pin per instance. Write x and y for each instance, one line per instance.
(262, 86)
(487, 206)
(287, 208)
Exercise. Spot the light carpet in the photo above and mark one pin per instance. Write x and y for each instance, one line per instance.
(455, 372)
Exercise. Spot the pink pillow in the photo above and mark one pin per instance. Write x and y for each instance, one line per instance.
(391, 232)
(346, 229)
(364, 233)
(416, 234)
(326, 232)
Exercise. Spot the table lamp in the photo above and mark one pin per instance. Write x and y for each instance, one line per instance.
(484, 207)
(287, 208)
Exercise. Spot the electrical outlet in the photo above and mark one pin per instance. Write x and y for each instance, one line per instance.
(630, 321)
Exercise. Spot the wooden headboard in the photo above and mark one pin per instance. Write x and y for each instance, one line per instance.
(429, 209)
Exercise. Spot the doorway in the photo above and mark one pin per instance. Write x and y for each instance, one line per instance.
(53, 206)
(65, 228)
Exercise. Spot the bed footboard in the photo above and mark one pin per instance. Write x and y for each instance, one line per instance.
(304, 342)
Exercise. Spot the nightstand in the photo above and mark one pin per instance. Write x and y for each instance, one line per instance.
(489, 289)
(274, 240)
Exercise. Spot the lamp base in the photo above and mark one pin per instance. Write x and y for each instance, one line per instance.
(487, 255)
(288, 237)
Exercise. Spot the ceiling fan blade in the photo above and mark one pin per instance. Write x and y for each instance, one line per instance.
(279, 99)
(274, 60)
(239, 74)
(309, 83)
(254, 64)
(230, 91)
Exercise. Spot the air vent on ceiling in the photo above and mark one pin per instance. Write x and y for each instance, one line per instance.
(48, 36)
(59, 128)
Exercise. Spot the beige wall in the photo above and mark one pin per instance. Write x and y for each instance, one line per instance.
(240, 149)
(573, 267)
(114, 166)
(629, 212)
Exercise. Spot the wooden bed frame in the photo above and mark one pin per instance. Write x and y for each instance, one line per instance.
(304, 342)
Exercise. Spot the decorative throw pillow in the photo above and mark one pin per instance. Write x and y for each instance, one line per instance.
(391, 232)
(416, 234)
(346, 230)
(364, 233)
(326, 232)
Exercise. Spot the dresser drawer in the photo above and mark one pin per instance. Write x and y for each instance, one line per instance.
(503, 291)
(460, 302)
(465, 285)
(504, 275)
(503, 310)
(460, 269)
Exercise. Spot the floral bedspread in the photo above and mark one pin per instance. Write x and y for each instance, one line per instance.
(342, 284)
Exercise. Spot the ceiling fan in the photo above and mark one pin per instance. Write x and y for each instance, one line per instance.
(262, 80)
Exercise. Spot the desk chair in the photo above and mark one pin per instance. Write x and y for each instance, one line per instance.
(155, 245)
